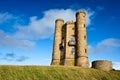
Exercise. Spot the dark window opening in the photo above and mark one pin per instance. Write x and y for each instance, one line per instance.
(61, 46)
(73, 28)
(62, 39)
(84, 25)
(85, 50)
(85, 37)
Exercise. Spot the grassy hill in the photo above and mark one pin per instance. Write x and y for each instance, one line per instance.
(55, 73)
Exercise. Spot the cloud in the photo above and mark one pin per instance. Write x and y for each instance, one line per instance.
(89, 16)
(9, 41)
(116, 65)
(105, 46)
(9, 20)
(8, 56)
(13, 57)
(22, 58)
(5, 17)
(7, 24)
(44, 27)
(24, 36)
(111, 42)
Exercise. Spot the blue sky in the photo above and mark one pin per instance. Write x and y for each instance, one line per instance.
(27, 27)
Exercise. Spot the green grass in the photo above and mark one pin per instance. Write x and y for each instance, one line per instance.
(55, 73)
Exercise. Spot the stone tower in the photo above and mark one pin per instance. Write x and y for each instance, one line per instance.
(81, 57)
(57, 40)
(70, 42)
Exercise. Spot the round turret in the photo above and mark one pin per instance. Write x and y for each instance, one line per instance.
(81, 12)
(57, 40)
(81, 40)
(102, 64)
(59, 19)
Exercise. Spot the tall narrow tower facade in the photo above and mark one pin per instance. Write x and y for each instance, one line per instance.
(57, 40)
(70, 42)
(81, 57)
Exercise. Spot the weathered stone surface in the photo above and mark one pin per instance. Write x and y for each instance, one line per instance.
(81, 42)
(57, 40)
(102, 64)
(70, 44)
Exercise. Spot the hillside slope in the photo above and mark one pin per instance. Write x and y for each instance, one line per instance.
(55, 73)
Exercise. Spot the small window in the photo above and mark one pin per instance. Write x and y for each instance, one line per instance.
(73, 28)
(73, 51)
(83, 15)
(61, 46)
(84, 25)
(72, 38)
(85, 37)
(85, 50)
(62, 39)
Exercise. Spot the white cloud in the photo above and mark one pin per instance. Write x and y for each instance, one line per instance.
(111, 42)
(9, 18)
(4, 17)
(89, 15)
(44, 27)
(37, 28)
(9, 41)
(116, 65)
(105, 46)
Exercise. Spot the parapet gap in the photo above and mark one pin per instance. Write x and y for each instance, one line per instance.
(70, 22)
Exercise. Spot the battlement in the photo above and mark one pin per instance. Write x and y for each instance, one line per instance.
(70, 22)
